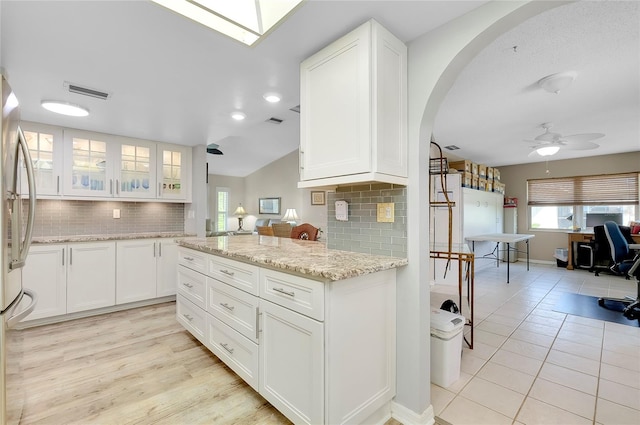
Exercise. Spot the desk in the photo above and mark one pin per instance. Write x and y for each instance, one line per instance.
(508, 238)
(586, 237)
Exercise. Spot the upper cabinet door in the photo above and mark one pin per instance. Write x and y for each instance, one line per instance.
(174, 172)
(135, 174)
(353, 118)
(46, 148)
(89, 163)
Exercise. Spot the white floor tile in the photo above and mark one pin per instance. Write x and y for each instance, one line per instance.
(488, 338)
(611, 413)
(620, 375)
(493, 396)
(507, 377)
(581, 338)
(471, 364)
(481, 350)
(535, 412)
(457, 386)
(581, 350)
(517, 362)
(496, 328)
(570, 378)
(462, 411)
(574, 362)
(526, 349)
(440, 398)
(566, 398)
(621, 360)
(533, 337)
(620, 394)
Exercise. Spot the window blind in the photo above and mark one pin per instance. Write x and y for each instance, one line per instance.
(608, 189)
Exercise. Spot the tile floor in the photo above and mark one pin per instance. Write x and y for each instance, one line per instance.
(531, 365)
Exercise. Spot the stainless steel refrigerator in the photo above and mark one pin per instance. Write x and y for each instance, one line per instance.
(16, 302)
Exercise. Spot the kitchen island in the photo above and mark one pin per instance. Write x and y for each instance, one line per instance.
(311, 329)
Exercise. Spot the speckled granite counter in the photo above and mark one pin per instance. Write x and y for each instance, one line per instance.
(107, 237)
(312, 259)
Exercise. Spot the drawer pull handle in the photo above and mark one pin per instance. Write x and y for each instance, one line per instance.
(227, 272)
(227, 306)
(188, 285)
(188, 317)
(282, 291)
(225, 346)
(188, 258)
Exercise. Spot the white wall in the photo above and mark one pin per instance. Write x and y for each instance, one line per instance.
(196, 212)
(435, 60)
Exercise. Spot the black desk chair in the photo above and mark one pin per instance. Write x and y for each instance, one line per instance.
(604, 251)
(630, 306)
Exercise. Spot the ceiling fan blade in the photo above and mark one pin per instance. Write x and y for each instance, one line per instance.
(534, 153)
(585, 137)
(538, 143)
(548, 137)
(579, 146)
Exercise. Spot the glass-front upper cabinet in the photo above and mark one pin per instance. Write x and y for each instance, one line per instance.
(174, 174)
(89, 164)
(45, 145)
(136, 173)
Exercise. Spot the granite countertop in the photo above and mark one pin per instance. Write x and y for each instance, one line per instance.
(312, 259)
(107, 237)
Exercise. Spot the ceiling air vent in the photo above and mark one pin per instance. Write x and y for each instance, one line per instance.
(452, 147)
(274, 120)
(295, 109)
(86, 91)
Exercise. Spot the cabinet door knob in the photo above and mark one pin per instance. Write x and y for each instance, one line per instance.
(226, 347)
(227, 272)
(188, 317)
(227, 306)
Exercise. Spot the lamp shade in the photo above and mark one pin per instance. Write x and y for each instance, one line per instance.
(290, 215)
(240, 212)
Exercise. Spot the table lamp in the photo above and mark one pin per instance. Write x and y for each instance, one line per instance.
(240, 213)
(290, 216)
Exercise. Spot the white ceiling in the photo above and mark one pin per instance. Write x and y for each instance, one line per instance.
(175, 81)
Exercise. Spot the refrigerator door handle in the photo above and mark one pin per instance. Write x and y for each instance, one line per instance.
(26, 243)
(13, 319)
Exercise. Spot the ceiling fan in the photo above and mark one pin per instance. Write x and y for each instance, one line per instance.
(549, 143)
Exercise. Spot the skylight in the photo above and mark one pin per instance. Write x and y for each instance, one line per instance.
(244, 20)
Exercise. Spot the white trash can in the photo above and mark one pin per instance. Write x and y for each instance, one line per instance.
(446, 346)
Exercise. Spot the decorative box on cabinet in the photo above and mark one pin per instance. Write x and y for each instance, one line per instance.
(288, 339)
(353, 99)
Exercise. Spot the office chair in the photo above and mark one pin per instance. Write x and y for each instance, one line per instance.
(631, 309)
(611, 249)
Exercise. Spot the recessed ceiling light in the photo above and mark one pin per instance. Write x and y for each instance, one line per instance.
(65, 108)
(238, 116)
(272, 97)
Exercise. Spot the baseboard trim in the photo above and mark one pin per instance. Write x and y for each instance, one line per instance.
(409, 417)
(88, 313)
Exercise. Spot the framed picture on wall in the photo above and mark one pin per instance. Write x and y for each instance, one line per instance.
(269, 205)
(317, 198)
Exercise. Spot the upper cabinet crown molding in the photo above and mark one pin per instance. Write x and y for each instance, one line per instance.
(353, 113)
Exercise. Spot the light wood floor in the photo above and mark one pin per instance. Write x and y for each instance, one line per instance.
(133, 367)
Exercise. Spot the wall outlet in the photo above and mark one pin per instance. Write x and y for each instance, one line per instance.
(116, 213)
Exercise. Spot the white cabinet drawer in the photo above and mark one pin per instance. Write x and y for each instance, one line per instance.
(241, 275)
(195, 260)
(236, 351)
(193, 286)
(234, 307)
(293, 292)
(191, 317)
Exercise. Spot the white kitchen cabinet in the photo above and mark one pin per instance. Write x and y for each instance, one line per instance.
(292, 360)
(91, 276)
(46, 273)
(146, 269)
(134, 168)
(319, 351)
(166, 267)
(353, 117)
(89, 164)
(475, 212)
(136, 270)
(45, 143)
(174, 172)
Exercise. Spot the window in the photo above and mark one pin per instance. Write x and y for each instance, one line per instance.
(581, 202)
(222, 208)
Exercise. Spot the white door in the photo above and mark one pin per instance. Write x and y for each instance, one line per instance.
(136, 270)
(292, 363)
(167, 267)
(91, 276)
(46, 273)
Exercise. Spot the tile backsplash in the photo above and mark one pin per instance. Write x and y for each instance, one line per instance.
(69, 218)
(362, 232)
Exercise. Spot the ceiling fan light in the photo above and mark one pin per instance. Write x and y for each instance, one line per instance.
(238, 116)
(555, 82)
(548, 150)
(272, 97)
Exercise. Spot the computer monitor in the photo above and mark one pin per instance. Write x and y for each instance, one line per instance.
(596, 219)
